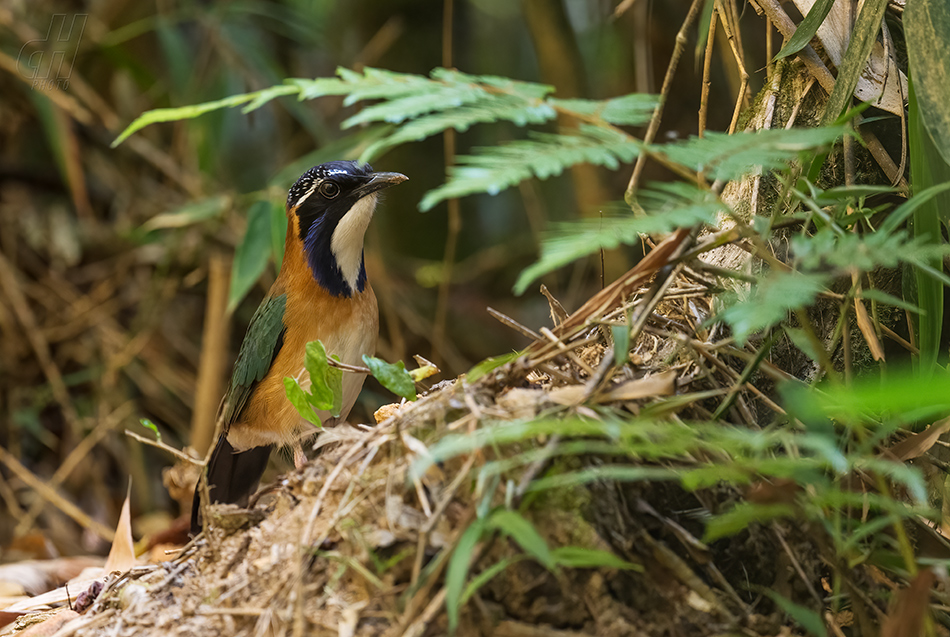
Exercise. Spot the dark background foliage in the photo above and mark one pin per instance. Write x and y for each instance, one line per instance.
(104, 306)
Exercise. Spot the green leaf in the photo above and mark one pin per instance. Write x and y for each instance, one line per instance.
(880, 296)
(807, 618)
(490, 364)
(902, 395)
(630, 110)
(729, 157)
(392, 376)
(151, 426)
(457, 570)
(927, 31)
(544, 155)
(863, 35)
(739, 517)
(300, 400)
(582, 557)
(498, 108)
(621, 337)
(806, 30)
(257, 99)
(668, 207)
(278, 233)
(252, 253)
(189, 214)
(512, 523)
(927, 169)
(326, 382)
(771, 300)
(486, 576)
(802, 342)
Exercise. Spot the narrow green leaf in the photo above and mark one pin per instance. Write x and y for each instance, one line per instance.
(157, 115)
(189, 214)
(392, 376)
(921, 197)
(326, 382)
(486, 576)
(863, 36)
(901, 395)
(927, 169)
(807, 618)
(490, 364)
(278, 232)
(739, 517)
(151, 426)
(802, 342)
(582, 557)
(299, 399)
(457, 570)
(621, 336)
(881, 296)
(523, 532)
(927, 31)
(806, 30)
(252, 253)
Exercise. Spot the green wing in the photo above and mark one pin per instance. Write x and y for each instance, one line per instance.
(264, 338)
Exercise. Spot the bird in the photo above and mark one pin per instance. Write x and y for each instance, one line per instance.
(321, 293)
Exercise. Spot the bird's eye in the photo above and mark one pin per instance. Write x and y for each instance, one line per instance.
(329, 189)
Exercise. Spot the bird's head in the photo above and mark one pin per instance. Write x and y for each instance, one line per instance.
(329, 209)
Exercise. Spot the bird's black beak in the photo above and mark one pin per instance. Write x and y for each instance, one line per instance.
(379, 181)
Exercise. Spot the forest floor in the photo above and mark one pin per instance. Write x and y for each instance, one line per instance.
(492, 505)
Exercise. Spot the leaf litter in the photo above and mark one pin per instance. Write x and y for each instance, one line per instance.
(361, 540)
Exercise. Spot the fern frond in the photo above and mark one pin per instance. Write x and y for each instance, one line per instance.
(499, 108)
(679, 205)
(728, 157)
(628, 110)
(542, 156)
(189, 112)
(771, 300)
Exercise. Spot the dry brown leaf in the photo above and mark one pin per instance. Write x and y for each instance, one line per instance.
(569, 395)
(663, 384)
(867, 330)
(54, 597)
(52, 624)
(906, 618)
(122, 555)
(919, 443)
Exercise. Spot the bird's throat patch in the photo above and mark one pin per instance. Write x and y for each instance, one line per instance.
(346, 243)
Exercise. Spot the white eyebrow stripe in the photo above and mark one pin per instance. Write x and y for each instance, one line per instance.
(307, 194)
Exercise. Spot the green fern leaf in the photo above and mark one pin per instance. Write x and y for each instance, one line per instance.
(500, 108)
(771, 300)
(728, 157)
(524, 90)
(630, 110)
(541, 156)
(672, 206)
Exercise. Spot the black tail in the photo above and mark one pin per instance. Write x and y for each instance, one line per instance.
(232, 477)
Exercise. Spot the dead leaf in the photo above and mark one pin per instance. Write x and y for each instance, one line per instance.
(663, 384)
(919, 443)
(569, 395)
(122, 555)
(52, 624)
(867, 330)
(906, 618)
